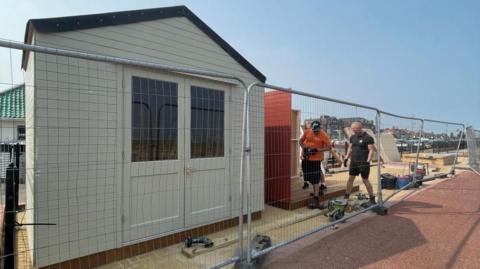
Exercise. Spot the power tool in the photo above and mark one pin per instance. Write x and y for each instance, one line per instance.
(198, 240)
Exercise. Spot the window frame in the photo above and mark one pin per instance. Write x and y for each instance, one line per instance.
(151, 155)
(204, 153)
(24, 132)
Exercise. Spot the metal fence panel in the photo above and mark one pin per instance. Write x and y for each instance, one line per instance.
(290, 185)
(401, 139)
(473, 145)
(106, 161)
(128, 156)
(446, 142)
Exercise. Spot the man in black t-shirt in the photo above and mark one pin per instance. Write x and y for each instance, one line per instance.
(361, 151)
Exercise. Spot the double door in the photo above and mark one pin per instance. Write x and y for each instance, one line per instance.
(176, 165)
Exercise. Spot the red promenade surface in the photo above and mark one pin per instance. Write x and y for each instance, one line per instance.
(438, 227)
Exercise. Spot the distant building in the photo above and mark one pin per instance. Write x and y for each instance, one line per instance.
(333, 124)
(367, 124)
(12, 114)
(12, 127)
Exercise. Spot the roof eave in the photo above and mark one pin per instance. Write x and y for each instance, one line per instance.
(27, 40)
(107, 19)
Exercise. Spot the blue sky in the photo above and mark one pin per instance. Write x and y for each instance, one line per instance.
(417, 58)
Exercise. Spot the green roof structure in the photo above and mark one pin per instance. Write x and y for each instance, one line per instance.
(12, 103)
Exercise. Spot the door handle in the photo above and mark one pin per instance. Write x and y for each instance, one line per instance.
(188, 170)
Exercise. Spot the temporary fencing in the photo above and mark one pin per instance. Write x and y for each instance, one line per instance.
(289, 180)
(443, 143)
(125, 156)
(473, 145)
(400, 147)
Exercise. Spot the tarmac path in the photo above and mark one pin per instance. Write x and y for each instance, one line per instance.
(438, 227)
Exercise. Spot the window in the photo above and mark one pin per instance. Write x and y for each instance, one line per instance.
(207, 123)
(154, 120)
(21, 132)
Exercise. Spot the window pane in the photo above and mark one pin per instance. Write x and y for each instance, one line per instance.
(154, 120)
(207, 123)
(21, 132)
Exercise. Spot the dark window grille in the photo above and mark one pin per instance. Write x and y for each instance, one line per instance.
(154, 120)
(207, 122)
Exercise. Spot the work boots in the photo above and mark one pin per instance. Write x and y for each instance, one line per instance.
(372, 200)
(322, 188)
(315, 203)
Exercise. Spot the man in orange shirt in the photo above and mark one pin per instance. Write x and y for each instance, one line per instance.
(314, 142)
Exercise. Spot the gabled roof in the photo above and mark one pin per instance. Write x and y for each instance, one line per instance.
(12, 102)
(72, 23)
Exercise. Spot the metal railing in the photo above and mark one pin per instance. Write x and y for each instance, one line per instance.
(473, 145)
(247, 254)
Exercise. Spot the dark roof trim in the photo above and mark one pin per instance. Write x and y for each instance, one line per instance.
(63, 24)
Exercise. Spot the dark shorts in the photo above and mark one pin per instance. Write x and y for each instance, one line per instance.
(362, 169)
(312, 171)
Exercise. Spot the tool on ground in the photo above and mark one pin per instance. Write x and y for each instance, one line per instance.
(403, 181)
(198, 240)
(389, 181)
(261, 242)
(361, 196)
(336, 209)
(420, 172)
(366, 204)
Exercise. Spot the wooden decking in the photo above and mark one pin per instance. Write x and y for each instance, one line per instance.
(300, 198)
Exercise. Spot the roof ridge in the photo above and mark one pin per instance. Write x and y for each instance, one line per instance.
(72, 23)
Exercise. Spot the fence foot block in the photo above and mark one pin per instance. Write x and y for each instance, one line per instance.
(246, 265)
(380, 210)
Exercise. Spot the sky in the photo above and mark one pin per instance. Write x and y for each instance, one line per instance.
(415, 58)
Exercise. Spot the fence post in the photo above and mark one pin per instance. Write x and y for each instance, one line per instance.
(10, 216)
(414, 172)
(452, 171)
(241, 193)
(248, 177)
(379, 165)
(472, 148)
(17, 178)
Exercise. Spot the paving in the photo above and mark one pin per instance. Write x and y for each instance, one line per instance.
(171, 257)
(438, 227)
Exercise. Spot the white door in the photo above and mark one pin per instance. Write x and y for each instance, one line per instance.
(176, 154)
(153, 188)
(207, 143)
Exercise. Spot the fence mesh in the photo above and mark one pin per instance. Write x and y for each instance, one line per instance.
(118, 161)
(123, 160)
(297, 194)
(441, 142)
(473, 144)
(400, 138)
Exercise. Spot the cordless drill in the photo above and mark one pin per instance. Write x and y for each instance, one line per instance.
(198, 240)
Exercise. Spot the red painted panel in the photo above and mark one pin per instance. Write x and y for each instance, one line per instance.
(278, 106)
